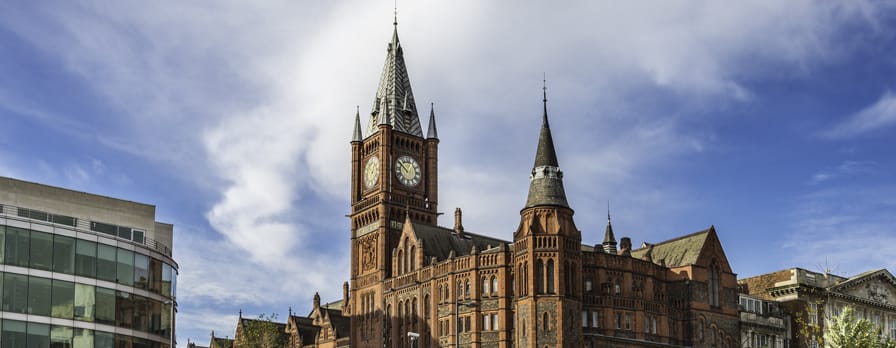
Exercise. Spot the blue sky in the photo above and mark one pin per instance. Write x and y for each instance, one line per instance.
(772, 120)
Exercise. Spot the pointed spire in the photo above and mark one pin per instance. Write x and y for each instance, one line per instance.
(394, 102)
(546, 180)
(431, 133)
(356, 134)
(609, 238)
(545, 155)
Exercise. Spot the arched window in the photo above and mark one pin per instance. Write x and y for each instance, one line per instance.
(550, 275)
(460, 290)
(467, 289)
(400, 261)
(412, 258)
(427, 308)
(544, 321)
(484, 286)
(494, 285)
(539, 277)
(714, 284)
(414, 312)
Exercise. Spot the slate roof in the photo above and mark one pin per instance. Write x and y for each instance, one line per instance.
(546, 180)
(439, 241)
(681, 251)
(307, 330)
(394, 102)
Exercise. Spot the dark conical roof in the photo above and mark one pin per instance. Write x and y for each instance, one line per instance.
(545, 155)
(394, 102)
(546, 181)
(432, 133)
(356, 134)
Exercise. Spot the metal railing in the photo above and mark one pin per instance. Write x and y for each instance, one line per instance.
(82, 225)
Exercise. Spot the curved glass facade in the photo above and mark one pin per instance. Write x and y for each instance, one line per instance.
(64, 286)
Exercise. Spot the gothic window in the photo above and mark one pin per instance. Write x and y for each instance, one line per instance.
(544, 322)
(484, 286)
(400, 261)
(539, 277)
(460, 290)
(550, 275)
(411, 258)
(467, 289)
(427, 309)
(494, 285)
(588, 285)
(714, 284)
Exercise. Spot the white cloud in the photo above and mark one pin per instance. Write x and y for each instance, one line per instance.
(847, 168)
(843, 228)
(254, 103)
(873, 118)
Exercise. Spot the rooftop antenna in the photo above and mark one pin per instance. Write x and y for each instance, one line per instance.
(395, 13)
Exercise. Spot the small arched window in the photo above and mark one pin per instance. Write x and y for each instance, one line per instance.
(494, 285)
(412, 257)
(539, 277)
(550, 275)
(544, 321)
(484, 286)
(400, 261)
(467, 289)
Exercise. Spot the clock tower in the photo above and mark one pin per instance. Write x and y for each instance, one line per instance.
(394, 177)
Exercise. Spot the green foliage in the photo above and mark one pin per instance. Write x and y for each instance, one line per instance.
(847, 331)
(261, 333)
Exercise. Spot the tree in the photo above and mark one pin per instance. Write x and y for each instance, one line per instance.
(847, 331)
(260, 333)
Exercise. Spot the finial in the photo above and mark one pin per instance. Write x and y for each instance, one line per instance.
(241, 313)
(290, 311)
(608, 211)
(544, 89)
(395, 20)
(213, 333)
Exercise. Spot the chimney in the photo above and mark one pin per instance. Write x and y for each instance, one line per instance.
(458, 225)
(625, 246)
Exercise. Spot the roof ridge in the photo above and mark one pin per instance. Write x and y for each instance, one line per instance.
(694, 234)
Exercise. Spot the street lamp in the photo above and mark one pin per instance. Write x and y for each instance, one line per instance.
(413, 336)
(457, 305)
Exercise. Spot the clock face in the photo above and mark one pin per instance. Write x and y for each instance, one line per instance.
(371, 172)
(407, 170)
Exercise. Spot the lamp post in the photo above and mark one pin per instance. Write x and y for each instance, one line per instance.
(457, 305)
(413, 336)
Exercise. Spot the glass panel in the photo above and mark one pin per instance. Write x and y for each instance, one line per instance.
(83, 338)
(103, 339)
(155, 275)
(166, 319)
(141, 313)
(85, 258)
(17, 245)
(15, 293)
(61, 337)
(39, 291)
(167, 272)
(63, 299)
(124, 232)
(2, 243)
(105, 306)
(155, 312)
(106, 267)
(103, 228)
(138, 236)
(141, 271)
(122, 341)
(14, 333)
(41, 250)
(38, 335)
(124, 309)
(125, 267)
(85, 302)
(63, 254)
(141, 343)
(64, 220)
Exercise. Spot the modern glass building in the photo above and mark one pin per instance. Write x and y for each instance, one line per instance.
(82, 270)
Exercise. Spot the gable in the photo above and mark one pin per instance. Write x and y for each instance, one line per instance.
(876, 286)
